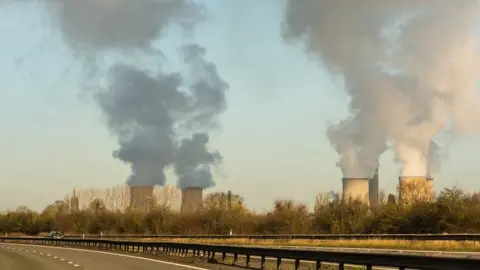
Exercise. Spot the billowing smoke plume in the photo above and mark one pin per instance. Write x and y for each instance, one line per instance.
(408, 66)
(435, 156)
(99, 26)
(149, 111)
(139, 111)
(144, 112)
(193, 162)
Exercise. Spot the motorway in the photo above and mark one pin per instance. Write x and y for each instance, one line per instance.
(26, 257)
(18, 260)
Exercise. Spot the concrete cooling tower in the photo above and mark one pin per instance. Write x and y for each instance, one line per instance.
(415, 187)
(356, 189)
(191, 200)
(430, 183)
(141, 198)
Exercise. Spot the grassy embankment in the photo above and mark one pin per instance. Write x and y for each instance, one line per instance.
(465, 246)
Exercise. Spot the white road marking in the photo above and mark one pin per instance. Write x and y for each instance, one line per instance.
(118, 255)
(41, 253)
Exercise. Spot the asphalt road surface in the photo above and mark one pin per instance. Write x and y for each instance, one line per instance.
(14, 259)
(26, 257)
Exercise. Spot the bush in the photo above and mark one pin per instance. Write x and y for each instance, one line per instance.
(453, 211)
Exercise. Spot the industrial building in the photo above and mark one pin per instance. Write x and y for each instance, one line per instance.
(74, 202)
(367, 189)
(415, 188)
(430, 185)
(192, 199)
(373, 189)
(141, 198)
(356, 189)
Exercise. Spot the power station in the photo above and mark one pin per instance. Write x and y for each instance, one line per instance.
(356, 189)
(430, 185)
(192, 199)
(367, 190)
(74, 203)
(373, 189)
(141, 198)
(363, 189)
(415, 188)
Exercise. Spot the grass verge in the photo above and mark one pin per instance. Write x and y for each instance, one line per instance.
(465, 246)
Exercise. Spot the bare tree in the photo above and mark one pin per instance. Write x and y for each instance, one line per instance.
(382, 197)
(117, 198)
(168, 196)
(322, 200)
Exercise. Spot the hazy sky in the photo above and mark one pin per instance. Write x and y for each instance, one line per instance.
(272, 135)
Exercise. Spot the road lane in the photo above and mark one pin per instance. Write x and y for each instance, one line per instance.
(20, 259)
(102, 260)
(99, 260)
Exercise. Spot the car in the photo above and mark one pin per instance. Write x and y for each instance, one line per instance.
(55, 235)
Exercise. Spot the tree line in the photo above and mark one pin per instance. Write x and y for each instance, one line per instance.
(452, 211)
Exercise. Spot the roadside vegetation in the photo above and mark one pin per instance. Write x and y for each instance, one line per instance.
(469, 246)
(453, 211)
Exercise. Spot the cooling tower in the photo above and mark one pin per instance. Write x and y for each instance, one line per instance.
(413, 187)
(191, 200)
(356, 188)
(141, 198)
(74, 203)
(430, 185)
(373, 191)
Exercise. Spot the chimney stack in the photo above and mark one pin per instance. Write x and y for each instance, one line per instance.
(74, 203)
(356, 189)
(229, 199)
(141, 198)
(191, 199)
(373, 190)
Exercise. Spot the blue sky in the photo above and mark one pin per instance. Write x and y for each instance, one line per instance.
(272, 135)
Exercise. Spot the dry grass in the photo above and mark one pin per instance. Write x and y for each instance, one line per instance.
(372, 243)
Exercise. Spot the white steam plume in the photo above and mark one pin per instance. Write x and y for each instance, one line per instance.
(408, 66)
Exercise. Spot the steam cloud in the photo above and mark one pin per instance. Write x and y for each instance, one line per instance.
(160, 119)
(193, 159)
(98, 26)
(410, 68)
